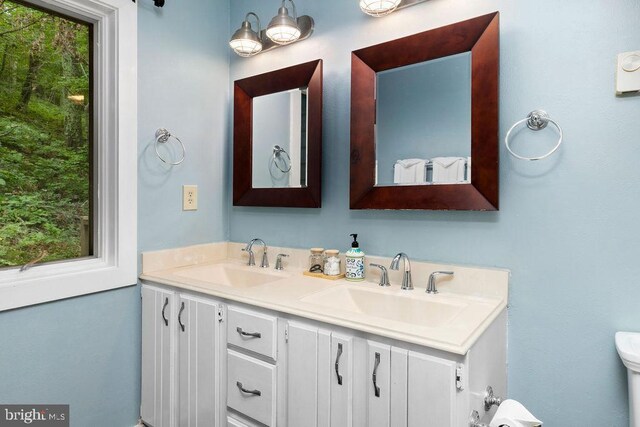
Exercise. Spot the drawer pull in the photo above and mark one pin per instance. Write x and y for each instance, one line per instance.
(164, 307)
(180, 316)
(248, 334)
(337, 364)
(244, 390)
(376, 389)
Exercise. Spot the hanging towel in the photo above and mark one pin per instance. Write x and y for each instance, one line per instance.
(409, 171)
(448, 170)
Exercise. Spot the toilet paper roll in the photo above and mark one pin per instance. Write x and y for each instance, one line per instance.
(512, 413)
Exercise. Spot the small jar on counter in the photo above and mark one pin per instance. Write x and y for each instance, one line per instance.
(316, 260)
(332, 262)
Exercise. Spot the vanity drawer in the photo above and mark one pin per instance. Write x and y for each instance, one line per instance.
(258, 379)
(252, 331)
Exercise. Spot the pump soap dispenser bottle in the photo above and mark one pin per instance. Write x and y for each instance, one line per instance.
(355, 261)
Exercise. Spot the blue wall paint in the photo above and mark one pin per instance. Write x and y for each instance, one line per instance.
(567, 228)
(183, 75)
(86, 351)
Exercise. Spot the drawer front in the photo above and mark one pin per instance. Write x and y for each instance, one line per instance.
(252, 331)
(258, 379)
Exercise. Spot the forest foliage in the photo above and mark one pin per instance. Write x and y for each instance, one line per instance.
(44, 134)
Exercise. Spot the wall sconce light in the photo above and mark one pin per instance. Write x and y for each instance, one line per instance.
(379, 8)
(282, 30)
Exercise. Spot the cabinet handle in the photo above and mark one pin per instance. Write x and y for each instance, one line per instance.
(248, 334)
(376, 389)
(337, 364)
(244, 390)
(180, 316)
(166, 303)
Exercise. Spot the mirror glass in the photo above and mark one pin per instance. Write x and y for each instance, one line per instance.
(423, 123)
(279, 149)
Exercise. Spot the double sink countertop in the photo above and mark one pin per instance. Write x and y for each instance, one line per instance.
(451, 320)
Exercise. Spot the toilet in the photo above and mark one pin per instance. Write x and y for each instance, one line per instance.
(628, 346)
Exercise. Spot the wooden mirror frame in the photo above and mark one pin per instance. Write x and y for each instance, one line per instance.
(304, 75)
(480, 36)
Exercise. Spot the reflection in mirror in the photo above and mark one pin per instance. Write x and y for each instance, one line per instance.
(279, 152)
(423, 123)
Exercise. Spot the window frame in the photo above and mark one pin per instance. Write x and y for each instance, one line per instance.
(114, 261)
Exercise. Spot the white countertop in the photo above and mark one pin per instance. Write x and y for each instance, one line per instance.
(287, 290)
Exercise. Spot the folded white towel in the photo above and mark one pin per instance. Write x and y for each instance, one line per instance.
(448, 170)
(409, 171)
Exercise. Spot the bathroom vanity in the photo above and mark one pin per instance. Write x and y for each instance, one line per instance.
(225, 344)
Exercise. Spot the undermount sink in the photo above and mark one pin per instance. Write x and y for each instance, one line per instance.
(229, 275)
(416, 309)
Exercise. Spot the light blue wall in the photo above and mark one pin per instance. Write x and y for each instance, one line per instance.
(86, 351)
(567, 227)
(183, 76)
(83, 352)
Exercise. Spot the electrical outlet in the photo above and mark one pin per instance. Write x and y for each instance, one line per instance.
(189, 197)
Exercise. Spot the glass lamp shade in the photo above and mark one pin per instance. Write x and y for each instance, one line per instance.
(283, 29)
(245, 42)
(379, 7)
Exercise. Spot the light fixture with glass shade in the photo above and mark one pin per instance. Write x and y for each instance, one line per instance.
(379, 8)
(282, 30)
(246, 42)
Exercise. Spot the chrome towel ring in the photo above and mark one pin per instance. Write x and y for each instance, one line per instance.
(536, 120)
(162, 136)
(278, 157)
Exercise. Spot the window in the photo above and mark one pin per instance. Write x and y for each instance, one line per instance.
(67, 148)
(46, 132)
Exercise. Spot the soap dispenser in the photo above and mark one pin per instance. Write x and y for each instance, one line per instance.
(355, 261)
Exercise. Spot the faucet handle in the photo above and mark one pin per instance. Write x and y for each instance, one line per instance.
(279, 261)
(384, 276)
(252, 259)
(431, 286)
(265, 260)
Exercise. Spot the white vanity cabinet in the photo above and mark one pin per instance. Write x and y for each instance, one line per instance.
(180, 359)
(222, 363)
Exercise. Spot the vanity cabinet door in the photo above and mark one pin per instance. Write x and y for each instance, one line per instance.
(158, 321)
(341, 389)
(431, 391)
(198, 354)
(378, 389)
(319, 378)
(386, 385)
(302, 375)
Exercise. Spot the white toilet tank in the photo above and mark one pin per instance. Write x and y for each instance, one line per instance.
(628, 345)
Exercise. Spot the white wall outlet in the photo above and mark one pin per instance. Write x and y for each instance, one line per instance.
(628, 73)
(189, 197)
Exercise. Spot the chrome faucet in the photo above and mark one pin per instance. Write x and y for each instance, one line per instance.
(384, 276)
(407, 283)
(252, 259)
(279, 261)
(431, 286)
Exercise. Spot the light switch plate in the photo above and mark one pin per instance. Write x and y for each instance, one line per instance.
(628, 73)
(189, 197)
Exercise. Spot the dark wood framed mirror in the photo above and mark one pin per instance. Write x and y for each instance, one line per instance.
(277, 138)
(477, 40)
